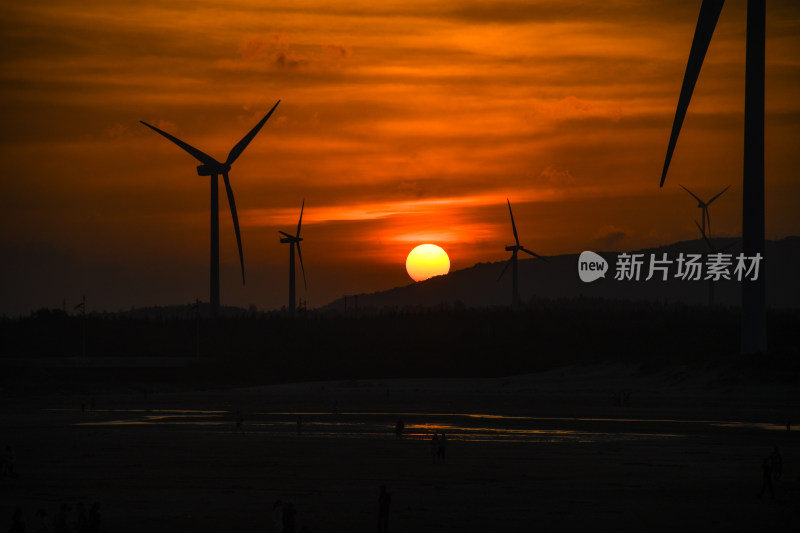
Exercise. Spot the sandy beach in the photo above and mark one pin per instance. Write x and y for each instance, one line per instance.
(590, 448)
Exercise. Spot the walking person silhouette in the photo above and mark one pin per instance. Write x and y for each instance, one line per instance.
(17, 524)
(384, 500)
(776, 462)
(766, 478)
(277, 517)
(289, 518)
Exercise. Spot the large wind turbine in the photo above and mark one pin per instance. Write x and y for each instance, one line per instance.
(754, 335)
(515, 300)
(293, 240)
(212, 167)
(705, 217)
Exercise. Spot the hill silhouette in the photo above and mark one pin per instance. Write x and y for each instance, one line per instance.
(477, 286)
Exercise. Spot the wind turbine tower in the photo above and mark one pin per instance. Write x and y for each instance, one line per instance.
(292, 241)
(754, 331)
(516, 302)
(213, 168)
(704, 216)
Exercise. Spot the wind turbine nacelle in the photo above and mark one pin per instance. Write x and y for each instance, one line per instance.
(212, 170)
(512, 248)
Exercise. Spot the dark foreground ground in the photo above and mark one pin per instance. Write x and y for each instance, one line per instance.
(606, 449)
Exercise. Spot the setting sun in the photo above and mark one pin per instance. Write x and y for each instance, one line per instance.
(426, 261)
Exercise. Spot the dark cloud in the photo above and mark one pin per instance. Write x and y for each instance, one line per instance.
(609, 238)
(275, 51)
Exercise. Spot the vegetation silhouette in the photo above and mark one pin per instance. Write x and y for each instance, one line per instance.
(444, 341)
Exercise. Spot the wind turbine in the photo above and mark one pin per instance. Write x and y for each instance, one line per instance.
(713, 250)
(291, 240)
(754, 334)
(515, 300)
(212, 167)
(704, 207)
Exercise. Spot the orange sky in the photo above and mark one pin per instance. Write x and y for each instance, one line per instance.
(400, 123)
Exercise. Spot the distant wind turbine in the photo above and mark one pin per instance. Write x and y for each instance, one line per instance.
(704, 208)
(212, 167)
(293, 240)
(754, 333)
(713, 250)
(515, 300)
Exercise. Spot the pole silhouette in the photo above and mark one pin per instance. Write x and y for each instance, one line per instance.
(82, 307)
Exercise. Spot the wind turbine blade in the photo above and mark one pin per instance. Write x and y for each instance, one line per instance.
(302, 268)
(232, 203)
(703, 233)
(301, 217)
(197, 154)
(286, 234)
(237, 150)
(690, 192)
(506, 267)
(513, 226)
(706, 22)
(718, 195)
(535, 255)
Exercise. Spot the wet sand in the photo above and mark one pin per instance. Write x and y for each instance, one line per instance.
(577, 458)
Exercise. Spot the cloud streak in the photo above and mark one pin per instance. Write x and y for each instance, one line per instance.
(399, 121)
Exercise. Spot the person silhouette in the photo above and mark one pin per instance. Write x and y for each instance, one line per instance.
(60, 522)
(442, 446)
(43, 521)
(435, 447)
(93, 525)
(776, 462)
(384, 501)
(17, 525)
(289, 518)
(399, 427)
(9, 462)
(82, 525)
(277, 517)
(766, 478)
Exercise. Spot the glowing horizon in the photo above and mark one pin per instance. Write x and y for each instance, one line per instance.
(399, 123)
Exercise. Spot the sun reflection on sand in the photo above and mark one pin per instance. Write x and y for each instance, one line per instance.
(474, 427)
